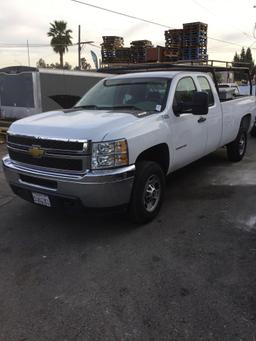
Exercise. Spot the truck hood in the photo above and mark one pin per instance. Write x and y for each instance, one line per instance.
(73, 124)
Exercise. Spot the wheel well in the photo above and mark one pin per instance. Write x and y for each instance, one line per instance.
(159, 154)
(246, 121)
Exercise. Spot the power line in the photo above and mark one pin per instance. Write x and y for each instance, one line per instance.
(8, 45)
(147, 21)
(40, 45)
(123, 14)
(254, 29)
(226, 42)
(214, 14)
(98, 47)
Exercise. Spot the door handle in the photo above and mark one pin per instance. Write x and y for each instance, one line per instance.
(201, 119)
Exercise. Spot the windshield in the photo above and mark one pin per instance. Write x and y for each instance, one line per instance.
(144, 94)
(16, 90)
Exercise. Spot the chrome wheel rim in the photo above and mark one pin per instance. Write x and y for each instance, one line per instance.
(241, 144)
(152, 193)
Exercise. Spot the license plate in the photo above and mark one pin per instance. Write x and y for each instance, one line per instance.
(41, 199)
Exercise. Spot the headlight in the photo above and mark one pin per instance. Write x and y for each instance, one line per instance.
(110, 154)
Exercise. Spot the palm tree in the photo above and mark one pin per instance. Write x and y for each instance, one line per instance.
(61, 38)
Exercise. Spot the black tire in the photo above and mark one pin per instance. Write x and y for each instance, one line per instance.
(148, 192)
(237, 149)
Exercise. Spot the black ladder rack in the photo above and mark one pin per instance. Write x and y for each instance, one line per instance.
(196, 66)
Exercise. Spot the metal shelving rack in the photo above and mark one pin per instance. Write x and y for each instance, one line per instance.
(209, 66)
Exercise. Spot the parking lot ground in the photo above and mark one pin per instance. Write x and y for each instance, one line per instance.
(88, 275)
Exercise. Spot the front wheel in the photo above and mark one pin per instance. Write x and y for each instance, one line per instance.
(148, 192)
(237, 148)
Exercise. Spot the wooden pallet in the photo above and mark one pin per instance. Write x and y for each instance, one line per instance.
(195, 26)
(173, 32)
(123, 55)
(140, 43)
(112, 39)
(173, 37)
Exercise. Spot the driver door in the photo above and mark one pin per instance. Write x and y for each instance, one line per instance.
(189, 132)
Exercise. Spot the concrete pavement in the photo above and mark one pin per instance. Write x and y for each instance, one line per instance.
(86, 275)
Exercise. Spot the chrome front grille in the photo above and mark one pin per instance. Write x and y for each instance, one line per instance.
(54, 144)
(69, 156)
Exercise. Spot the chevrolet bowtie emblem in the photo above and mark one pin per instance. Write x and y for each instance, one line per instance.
(36, 151)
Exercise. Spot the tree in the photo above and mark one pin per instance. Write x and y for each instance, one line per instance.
(219, 77)
(239, 60)
(67, 66)
(242, 55)
(54, 66)
(41, 63)
(84, 65)
(237, 75)
(61, 38)
(248, 58)
(236, 58)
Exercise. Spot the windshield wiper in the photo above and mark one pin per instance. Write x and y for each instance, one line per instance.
(95, 107)
(91, 106)
(126, 107)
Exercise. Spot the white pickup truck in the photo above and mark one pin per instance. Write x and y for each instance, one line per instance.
(116, 146)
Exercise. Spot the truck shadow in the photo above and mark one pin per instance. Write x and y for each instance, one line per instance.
(191, 204)
(79, 225)
(116, 220)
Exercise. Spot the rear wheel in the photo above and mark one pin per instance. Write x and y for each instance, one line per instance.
(236, 149)
(148, 191)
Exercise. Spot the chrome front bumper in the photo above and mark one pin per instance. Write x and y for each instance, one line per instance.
(101, 188)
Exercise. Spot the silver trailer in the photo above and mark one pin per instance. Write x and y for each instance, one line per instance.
(25, 91)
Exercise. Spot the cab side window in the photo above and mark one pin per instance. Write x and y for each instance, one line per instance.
(205, 87)
(184, 95)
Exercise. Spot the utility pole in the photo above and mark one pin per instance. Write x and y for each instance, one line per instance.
(79, 47)
(28, 54)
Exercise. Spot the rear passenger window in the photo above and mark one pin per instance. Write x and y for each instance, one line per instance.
(184, 94)
(205, 87)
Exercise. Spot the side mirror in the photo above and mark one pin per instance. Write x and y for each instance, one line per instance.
(200, 103)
